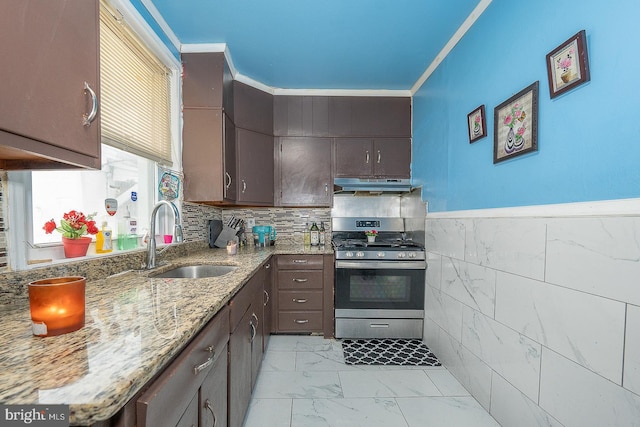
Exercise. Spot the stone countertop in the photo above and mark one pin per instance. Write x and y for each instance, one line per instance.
(135, 325)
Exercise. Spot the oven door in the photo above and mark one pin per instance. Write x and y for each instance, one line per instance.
(380, 289)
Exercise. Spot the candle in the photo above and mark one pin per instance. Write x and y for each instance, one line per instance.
(57, 305)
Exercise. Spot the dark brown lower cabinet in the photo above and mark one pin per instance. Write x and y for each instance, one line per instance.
(245, 345)
(169, 400)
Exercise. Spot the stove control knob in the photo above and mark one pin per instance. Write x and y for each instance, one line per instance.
(381, 254)
(360, 254)
(412, 254)
(401, 254)
(349, 254)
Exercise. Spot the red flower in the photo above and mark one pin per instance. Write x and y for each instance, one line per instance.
(73, 225)
(49, 226)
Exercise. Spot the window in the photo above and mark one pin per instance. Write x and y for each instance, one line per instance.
(139, 125)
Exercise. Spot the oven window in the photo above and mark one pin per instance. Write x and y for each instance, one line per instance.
(379, 289)
(368, 288)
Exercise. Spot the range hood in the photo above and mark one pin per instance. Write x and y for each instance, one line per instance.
(372, 185)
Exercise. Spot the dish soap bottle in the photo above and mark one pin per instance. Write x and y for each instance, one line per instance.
(103, 239)
(315, 235)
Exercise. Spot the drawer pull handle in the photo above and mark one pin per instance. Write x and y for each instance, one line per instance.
(266, 294)
(301, 321)
(300, 280)
(299, 300)
(207, 363)
(87, 118)
(253, 315)
(379, 325)
(207, 404)
(300, 261)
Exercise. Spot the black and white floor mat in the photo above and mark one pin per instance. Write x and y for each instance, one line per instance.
(388, 352)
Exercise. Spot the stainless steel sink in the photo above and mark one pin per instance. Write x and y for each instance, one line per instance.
(196, 271)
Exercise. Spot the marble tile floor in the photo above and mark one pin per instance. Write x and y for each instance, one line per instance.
(304, 382)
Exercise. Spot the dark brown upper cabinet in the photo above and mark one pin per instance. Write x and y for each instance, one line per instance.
(49, 113)
(253, 108)
(304, 171)
(254, 166)
(301, 116)
(207, 81)
(370, 116)
(372, 157)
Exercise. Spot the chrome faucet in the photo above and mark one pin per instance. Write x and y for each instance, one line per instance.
(151, 242)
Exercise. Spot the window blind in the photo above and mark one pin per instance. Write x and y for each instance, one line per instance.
(134, 92)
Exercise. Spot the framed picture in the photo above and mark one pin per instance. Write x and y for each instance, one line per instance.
(568, 65)
(516, 125)
(477, 125)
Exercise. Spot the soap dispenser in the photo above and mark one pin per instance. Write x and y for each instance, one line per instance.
(103, 239)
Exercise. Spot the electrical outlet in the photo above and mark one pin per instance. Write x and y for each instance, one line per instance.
(251, 222)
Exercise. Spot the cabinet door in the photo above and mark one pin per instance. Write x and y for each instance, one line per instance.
(230, 168)
(305, 171)
(255, 167)
(253, 108)
(213, 394)
(257, 340)
(354, 157)
(50, 51)
(202, 154)
(267, 323)
(203, 79)
(190, 416)
(392, 157)
(240, 370)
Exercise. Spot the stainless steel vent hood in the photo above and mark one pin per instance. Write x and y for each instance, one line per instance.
(372, 185)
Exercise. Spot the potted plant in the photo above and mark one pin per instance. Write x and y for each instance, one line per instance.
(371, 235)
(74, 227)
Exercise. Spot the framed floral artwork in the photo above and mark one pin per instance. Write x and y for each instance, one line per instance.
(568, 65)
(516, 125)
(477, 125)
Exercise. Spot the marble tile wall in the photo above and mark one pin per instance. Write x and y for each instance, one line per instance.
(539, 318)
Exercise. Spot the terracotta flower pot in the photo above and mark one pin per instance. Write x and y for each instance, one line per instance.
(76, 247)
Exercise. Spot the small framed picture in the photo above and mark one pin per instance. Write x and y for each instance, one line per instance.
(477, 125)
(516, 125)
(568, 65)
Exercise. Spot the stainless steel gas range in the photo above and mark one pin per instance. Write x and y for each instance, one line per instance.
(380, 285)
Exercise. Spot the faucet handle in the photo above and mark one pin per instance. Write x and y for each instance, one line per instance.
(178, 233)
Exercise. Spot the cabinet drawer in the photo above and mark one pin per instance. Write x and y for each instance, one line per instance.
(294, 321)
(300, 300)
(169, 395)
(301, 280)
(242, 300)
(299, 262)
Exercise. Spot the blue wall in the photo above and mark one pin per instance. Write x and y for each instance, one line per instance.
(588, 138)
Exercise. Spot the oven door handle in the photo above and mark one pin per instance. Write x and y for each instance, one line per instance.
(379, 265)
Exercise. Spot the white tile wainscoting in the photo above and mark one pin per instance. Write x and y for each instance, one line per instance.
(539, 317)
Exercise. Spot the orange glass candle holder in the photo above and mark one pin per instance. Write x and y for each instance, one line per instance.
(57, 305)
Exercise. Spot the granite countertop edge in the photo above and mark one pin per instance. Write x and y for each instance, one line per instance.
(135, 325)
